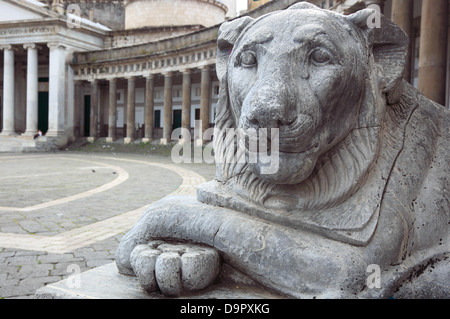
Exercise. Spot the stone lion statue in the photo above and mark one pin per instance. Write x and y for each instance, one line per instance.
(362, 179)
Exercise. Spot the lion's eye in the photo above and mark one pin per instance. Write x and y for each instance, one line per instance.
(321, 56)
(247, 59)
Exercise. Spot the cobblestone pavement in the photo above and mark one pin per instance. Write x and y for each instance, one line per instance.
(65, 212)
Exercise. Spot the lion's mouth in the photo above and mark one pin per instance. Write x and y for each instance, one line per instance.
(291, 147)
(269, 145)
(295, 137)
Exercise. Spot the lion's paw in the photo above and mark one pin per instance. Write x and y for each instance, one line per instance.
(174, 268)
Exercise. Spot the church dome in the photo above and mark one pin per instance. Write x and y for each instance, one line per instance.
(158, 13)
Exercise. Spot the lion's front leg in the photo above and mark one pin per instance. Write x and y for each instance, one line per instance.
(171, 265)
(276, 257)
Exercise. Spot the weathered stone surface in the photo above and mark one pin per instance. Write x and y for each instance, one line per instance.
(359, 176)
(199, 268)
(174, 268)
(136, 251)
(144, 268)
(168, 273)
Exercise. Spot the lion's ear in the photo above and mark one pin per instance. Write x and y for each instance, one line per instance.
(228, 34)
(389, 44)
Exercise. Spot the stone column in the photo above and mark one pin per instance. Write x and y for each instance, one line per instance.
(32, 89)
(149, 108)
(112, 110)
(186, 103)
(70, 99)
(56, 90)
(131, 112)
(8, 92)
(93, 121)
(82, 110)
(379, 3)
(402, 15)
(205, 99)
(167, 128)
(78, 108)
(433, 49)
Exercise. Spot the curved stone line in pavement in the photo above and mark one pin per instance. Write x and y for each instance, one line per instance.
(122, 177)
(92, 233)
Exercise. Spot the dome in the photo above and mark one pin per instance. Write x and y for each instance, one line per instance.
(158, 13)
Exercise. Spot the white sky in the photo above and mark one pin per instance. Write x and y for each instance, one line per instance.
(241, 5)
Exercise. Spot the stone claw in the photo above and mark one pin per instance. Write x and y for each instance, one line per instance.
(174, 268)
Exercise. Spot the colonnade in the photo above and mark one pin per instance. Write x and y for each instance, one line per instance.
(434, 38)
(433, 50)
(57, 99)
(149, 103)
(57, 80)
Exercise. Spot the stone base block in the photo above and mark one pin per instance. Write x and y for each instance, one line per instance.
(128, 140)
(91, 139)
(57, 139)
(8, 133)
(147, 140)
(29, 134)
(109, 139)
(105, 282)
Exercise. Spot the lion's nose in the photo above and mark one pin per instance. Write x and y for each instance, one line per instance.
(263, 119)
(271, 103)
(269, 111)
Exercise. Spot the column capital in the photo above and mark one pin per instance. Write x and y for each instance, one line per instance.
(6, 47)
(29, 46)
(149, 76)
(186, 71)
(205, 67)
(112, 80)
(55, 45)
(167, 74)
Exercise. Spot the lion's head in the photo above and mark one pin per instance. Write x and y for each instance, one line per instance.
(324, 81)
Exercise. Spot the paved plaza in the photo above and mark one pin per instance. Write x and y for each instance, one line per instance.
(65, 212)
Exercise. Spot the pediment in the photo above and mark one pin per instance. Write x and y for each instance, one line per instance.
(21, 10)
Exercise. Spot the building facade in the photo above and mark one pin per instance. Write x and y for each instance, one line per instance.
(253, 4)
(103, 69)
